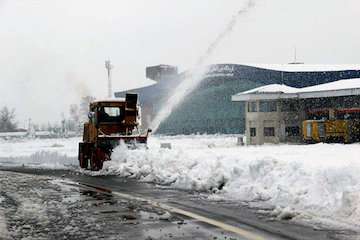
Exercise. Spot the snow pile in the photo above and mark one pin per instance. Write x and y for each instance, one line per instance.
(40, 153)
(321, 179)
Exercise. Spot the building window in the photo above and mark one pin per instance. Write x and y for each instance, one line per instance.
(268, 106)
(269, 132)
(292, 131)
(252, 107)
(252, 132)
(321, 129)
(289, 106)
(309, 129)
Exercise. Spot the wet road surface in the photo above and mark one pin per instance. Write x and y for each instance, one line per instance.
(46, 204)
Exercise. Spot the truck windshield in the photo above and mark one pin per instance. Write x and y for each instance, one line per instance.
(112, 111)
(110, 114)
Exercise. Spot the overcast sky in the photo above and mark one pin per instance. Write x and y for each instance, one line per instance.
(52, 52)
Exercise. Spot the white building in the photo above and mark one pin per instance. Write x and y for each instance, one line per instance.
(274, 113)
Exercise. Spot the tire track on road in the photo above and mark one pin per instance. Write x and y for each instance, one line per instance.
(221, 225)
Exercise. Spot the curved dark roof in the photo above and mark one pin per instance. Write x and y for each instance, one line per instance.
(209, 108)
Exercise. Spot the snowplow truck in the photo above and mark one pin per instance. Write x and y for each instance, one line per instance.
(110, 122)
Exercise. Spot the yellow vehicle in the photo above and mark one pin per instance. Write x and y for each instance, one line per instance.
(110, 122)
(341, 131)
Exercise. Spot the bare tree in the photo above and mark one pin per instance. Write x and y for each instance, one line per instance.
(79, 114)
(74, 122)
(7, 120)
(74, 112)
(84, 107)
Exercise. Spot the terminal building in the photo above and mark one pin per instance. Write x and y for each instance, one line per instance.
(209, 108)
(281, 114)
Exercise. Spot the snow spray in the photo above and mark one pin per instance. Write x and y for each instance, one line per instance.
(196, 75)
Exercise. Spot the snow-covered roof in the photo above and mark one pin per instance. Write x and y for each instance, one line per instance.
(345, 87)
(306, 67)
(109, 100)
(272, 88)
(337, 85)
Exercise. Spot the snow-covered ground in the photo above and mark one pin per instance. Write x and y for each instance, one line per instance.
(40, 153)
(318, 182)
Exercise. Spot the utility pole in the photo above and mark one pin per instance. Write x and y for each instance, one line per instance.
(108, 67)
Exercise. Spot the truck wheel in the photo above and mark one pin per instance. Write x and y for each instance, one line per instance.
(94, 162)
(81, 156)
(97, 159)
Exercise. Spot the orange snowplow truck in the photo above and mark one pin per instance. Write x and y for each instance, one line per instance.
(110, 122)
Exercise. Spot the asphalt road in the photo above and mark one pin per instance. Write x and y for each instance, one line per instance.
(78, 206)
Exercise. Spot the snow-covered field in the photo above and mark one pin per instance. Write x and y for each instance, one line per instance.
(40, 153)
(318, 182)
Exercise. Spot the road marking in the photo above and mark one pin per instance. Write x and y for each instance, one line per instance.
(227, 227)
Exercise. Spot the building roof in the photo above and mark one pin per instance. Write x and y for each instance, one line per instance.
(307, 67)
(337, 85)
(109, 100)
(272, 88)
(346, 87)
(320, 71)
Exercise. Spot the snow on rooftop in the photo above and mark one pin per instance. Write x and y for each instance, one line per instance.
(332, 86)
(342, 87)
(109, 100)
(307, 67)
(272, 88)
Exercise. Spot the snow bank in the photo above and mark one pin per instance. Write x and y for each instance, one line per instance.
(40, 153)
(321, 180)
